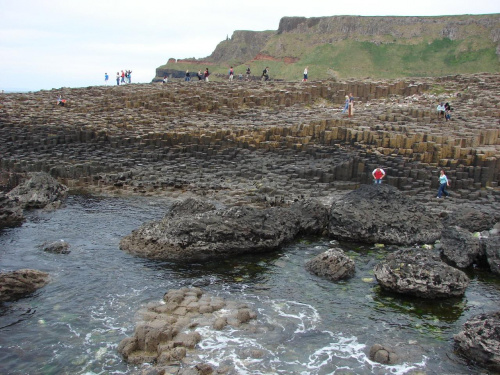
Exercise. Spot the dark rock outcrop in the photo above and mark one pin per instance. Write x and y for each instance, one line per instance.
(20, 283)
(491, 247)
(230, 231)
(167, 332)
(38, 191)
(474, 219)
(382, 214)
(383, 354)
(420, 273)
(11, 212)
(57, 247)
(479, 340)
(333, 264)
(460, 247)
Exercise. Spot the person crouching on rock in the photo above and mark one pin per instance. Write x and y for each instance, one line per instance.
(61, 101)
(378, 174)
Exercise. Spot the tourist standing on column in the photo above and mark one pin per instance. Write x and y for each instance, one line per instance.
(378, 174)
(231, 73)
(123, 77)
(118, 78)
(305, 75)
(248, 74)
(106, 78)
(346, 105)
(351, 104)
(206, 74)
(187, 78)
(443, 183)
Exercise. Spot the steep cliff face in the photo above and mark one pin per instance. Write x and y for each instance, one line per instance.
(355, 46)
(399, 28)
(242, 46)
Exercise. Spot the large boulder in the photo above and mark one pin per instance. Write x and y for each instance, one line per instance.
(383, 354)
(20, 283)
(479, 340)
(460, 247)
(491, 247)
(420, 273)
(333, 264)
(382, 214)
(11, 212)
(56, 247)
(228, 231)
(38, 191)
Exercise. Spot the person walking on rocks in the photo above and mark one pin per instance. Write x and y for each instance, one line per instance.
(187, 78)
(106, 78)
(378, 174)
(346, 106)
(231, 73)
(305, 75)
(265, 74)
(248, 74)
(351, 104)
(443, 183)
(206, 74)
(118, 78)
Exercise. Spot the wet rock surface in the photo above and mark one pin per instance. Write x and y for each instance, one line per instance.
(479, 341)
(21, 283)
(460, 247)
(418, 272)
(39, 190)
(383, 354)
(228, 231)
(56, 247)
(167, 332)
(333, 264)
(11, 212)
(382, 214)
(491, 247)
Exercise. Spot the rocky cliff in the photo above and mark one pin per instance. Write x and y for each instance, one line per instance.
(356, 46)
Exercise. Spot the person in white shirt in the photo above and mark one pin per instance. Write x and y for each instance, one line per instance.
(440, 109)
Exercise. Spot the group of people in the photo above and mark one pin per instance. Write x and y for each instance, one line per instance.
(444, 111)
(121, 78)
(349, 105)
(378, 175)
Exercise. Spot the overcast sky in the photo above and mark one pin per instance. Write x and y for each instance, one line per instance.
(52, 44)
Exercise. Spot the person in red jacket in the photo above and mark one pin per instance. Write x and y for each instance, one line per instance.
(378, 174)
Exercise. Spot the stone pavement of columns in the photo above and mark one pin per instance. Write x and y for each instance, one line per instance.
(254, 142)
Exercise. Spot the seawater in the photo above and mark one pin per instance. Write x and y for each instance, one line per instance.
(305, 324)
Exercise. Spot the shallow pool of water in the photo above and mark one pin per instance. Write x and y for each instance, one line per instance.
(306, 324)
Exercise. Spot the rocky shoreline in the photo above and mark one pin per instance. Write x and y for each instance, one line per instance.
(255, 166)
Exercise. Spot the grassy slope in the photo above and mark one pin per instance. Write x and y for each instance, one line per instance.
(379, 56)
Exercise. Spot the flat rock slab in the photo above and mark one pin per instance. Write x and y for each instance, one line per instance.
(382, 214)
